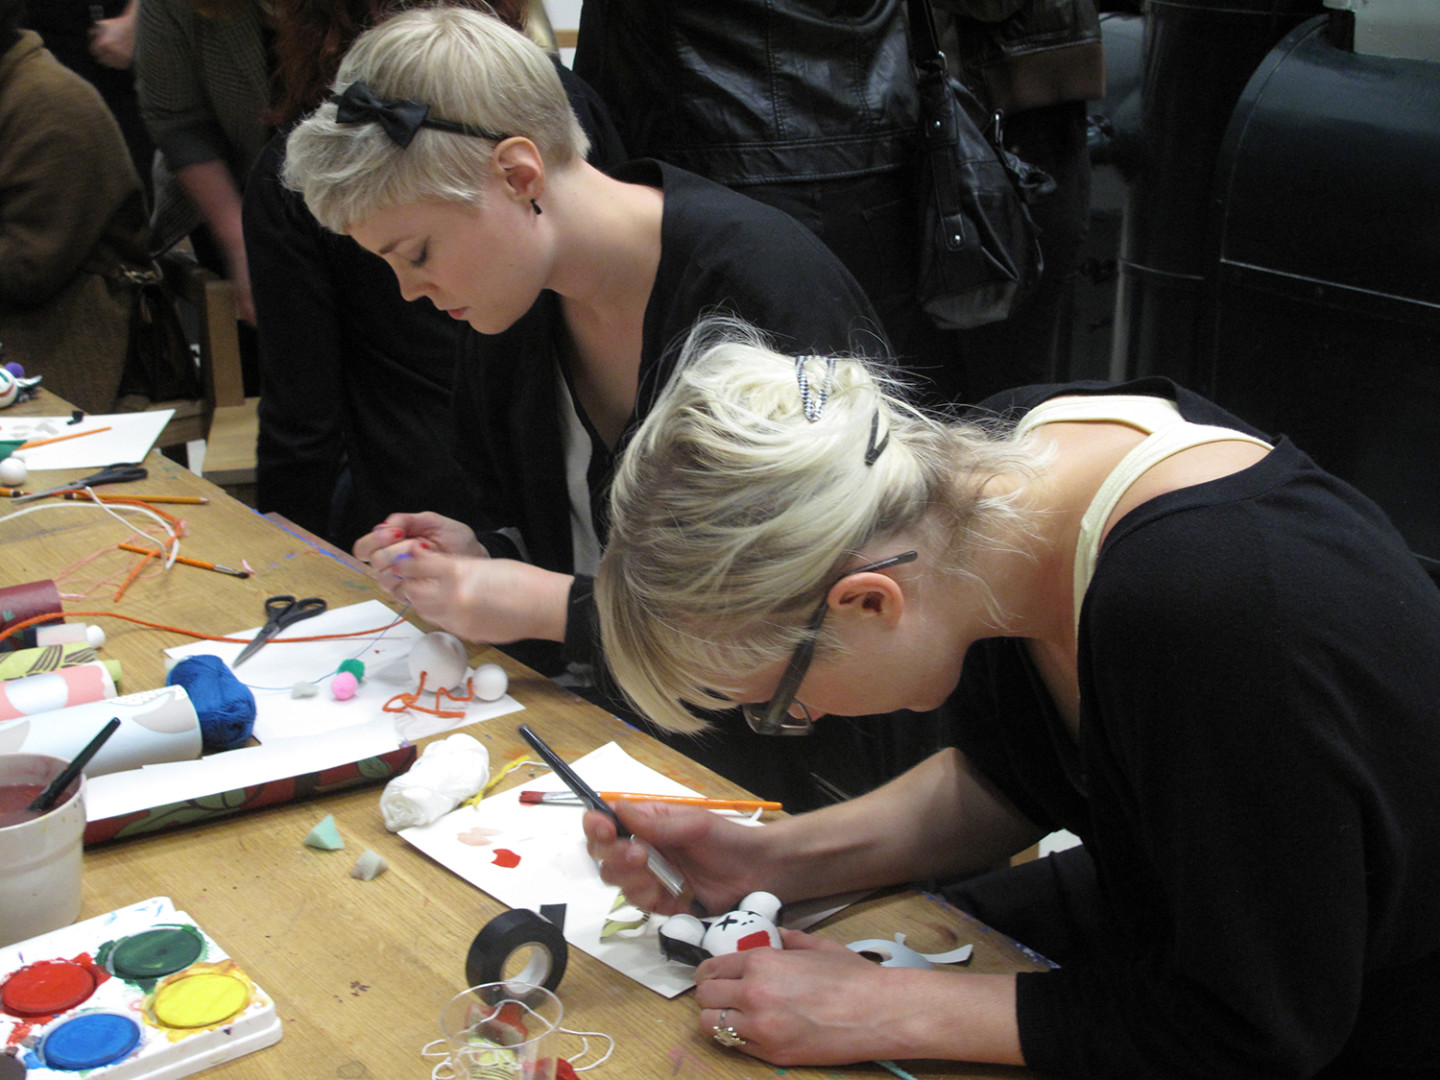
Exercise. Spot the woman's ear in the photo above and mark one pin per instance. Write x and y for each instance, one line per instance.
(520, 165)
(868, 595)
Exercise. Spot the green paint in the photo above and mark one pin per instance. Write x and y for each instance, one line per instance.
(153, 954)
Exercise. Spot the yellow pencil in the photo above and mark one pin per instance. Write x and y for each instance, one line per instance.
(189, 500)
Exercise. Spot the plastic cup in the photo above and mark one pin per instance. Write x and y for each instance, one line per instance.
(39, 857)
(502, 1031)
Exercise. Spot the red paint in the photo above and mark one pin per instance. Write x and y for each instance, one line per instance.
(506, 858)
(758, 940)
(14, 802)
(49, 987)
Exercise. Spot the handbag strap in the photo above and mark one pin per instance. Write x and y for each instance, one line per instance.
(924, 41)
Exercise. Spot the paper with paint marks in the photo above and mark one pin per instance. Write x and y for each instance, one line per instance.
(526, 855)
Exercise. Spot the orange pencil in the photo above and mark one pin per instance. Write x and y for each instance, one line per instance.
(153, 554)
(60, 438)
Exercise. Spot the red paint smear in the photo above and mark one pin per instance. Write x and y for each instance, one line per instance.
(506, 858)
(758, 940)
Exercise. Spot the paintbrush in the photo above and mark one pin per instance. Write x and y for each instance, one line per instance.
(743, 805)
(46, 800)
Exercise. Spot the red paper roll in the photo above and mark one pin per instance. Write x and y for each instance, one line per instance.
(21, 602)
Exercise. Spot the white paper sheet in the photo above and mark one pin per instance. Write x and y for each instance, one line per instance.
(272, 672)
(128, 792)
(554, 867)
(297, 736)
(130, 438)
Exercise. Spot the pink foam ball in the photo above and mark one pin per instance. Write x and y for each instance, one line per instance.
(343, 686)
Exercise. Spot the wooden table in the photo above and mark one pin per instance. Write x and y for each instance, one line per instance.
(360, 970)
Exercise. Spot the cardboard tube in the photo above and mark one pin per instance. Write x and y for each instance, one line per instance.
(21, 602)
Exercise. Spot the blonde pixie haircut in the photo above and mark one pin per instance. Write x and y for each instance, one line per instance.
(467, 67)
(732, 514)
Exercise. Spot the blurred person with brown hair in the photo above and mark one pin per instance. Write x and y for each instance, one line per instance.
(203, 77)
(72, 221)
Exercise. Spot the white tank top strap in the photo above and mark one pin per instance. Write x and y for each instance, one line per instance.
(1149, 414)
(1168, 433)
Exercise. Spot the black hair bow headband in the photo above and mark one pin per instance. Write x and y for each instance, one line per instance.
(399, 119)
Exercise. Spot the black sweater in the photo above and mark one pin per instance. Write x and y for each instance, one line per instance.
(1256, 780)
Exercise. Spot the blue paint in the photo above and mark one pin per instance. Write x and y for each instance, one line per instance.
(90, 1041)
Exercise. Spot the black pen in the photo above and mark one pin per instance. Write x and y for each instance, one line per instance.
(667, 874)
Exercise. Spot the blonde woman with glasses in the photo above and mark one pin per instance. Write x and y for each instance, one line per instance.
(1148, 623)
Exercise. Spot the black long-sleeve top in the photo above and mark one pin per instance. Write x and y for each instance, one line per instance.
(1256, 780)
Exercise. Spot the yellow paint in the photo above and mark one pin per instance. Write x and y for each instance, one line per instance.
(203, 996)
(200, 1001)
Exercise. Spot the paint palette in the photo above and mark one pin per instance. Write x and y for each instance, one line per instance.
(142, 992)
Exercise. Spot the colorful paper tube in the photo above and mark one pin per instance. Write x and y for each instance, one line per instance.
(45, 658)
(155, 726)
(36, 694)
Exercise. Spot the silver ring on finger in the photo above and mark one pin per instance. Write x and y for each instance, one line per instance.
(725, 1034)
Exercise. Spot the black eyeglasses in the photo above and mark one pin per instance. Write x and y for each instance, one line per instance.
(773, 717)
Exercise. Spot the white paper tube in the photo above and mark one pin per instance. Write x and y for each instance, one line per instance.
(155, 726)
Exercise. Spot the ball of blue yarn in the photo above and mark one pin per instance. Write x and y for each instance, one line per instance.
(225, 705)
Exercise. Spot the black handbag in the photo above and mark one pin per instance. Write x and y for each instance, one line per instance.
(979, 251)
(159, 362)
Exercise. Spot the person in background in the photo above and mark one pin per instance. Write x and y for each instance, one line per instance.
(72, 222)
(102, 51)
(811, 107)
(203, 78)
(581, 285)
(355, 413)
(1183, 641)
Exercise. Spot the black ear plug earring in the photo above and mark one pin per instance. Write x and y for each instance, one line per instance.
(536, 205)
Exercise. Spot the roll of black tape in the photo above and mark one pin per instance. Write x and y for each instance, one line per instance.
(507, 935)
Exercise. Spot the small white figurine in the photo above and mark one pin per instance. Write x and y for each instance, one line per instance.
(752, 925)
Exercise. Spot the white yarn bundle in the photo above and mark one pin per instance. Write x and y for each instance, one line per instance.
(447, 773)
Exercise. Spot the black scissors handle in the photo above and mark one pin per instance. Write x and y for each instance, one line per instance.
(120, 473)
(282, 611)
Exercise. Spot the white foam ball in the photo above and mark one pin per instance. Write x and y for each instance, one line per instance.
(13, 471)
(441, 657)
(490, 682)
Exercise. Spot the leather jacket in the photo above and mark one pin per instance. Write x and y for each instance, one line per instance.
(1024, 54)
(755, 91)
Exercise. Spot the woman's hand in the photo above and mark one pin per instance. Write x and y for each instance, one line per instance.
(442, 534)
(112, 41)
(813, 1003)
(719, 860)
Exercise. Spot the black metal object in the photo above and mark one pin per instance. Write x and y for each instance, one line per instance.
(1326, 314)
(1199, 54)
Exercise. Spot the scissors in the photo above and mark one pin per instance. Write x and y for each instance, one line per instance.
(119, 473)
(280, 612)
